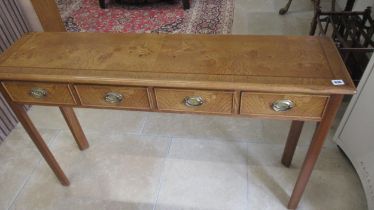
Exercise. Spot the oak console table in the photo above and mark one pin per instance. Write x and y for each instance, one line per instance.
(280, 77)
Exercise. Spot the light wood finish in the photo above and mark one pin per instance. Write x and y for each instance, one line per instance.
(49, 15)
(314, 150)
(236, 102)
(260, 104)
(75, 128)
(34, 135)
(236, 75)
(214, 101)
(93, 96)
(231, 62)
(292, 139)
(152, 98)
(56, 93)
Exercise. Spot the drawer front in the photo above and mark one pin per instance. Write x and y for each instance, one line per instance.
(40, 93)
(219, 102)
(113, 96)
(286, 105)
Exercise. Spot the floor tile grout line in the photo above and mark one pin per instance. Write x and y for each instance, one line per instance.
(25, 183)
(143, 124)
(247, 173)
(180, 138)
(37, 165)
(162, 174)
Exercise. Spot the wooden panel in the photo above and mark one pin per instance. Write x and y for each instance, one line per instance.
(252, 63)
(335, 61)
(198, 54)
(152, 98)
(48, 15)
(260, 104)
(93, 95)
(220, 102)
(56, 93)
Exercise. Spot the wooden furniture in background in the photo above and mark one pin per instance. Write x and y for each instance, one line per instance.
(348, 6)
(352, 33)
(277, 77)
(48, 15)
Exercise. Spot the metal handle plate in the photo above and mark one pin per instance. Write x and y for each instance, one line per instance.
(113, 97)
(38, 92)
(282, 105)
(193, 101)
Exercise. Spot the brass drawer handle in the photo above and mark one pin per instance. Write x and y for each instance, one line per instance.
(38, 92)
(282, 105)
(193, 101)
(113, 97)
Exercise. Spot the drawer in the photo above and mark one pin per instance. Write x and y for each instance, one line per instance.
(301, 106)
(40, 93)
(220, 102)
(113, 96)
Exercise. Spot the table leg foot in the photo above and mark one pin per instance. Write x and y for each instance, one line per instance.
(284, 10)
(75, 128)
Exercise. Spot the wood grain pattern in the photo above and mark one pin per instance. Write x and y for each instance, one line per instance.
(57, 93)
(314, 150)
(14, 47)
(336, 62)
(93, 96)
(294, 64)
(214, 101)
(232, 73)
(306, 106)
(48, 15)
(236, 102)
(152, 98)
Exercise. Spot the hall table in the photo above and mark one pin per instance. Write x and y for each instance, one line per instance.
(298, 78)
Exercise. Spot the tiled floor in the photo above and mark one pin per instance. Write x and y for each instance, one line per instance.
(150, 161)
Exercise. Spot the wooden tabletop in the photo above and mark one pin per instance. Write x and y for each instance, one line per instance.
(302, 64)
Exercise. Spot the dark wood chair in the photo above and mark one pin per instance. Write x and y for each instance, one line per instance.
(103, 4)
(348, 6)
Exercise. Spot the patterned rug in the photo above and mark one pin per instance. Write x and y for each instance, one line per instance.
(204, 17)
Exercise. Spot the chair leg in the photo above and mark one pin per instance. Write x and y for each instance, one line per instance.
(284, 10)
(186, 4)
(317, 10)
(103, 4)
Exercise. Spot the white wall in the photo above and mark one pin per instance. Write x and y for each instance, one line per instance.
(362, 4)
(359, 4)
(30, 15)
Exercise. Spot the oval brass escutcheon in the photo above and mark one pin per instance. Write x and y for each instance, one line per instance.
(193, 101)
(38, 92)
(282, 105)
(113, 97)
